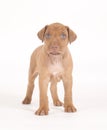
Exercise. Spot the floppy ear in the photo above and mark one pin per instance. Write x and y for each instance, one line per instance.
(71, 35)
(41, 33)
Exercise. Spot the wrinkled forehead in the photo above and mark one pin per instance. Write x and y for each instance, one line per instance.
(56, 27)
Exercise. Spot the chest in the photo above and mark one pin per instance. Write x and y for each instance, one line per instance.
(56, 69)
(55, 66)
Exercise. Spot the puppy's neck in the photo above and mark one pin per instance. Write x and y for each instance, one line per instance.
(55, 59)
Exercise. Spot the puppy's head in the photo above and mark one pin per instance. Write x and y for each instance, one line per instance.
(56, 38)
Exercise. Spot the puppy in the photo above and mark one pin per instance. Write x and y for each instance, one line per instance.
(52, 62)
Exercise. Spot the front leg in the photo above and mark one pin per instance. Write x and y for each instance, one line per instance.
(68, 103)
(43, 86)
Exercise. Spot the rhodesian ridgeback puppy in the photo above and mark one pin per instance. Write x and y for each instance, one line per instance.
(52, 62)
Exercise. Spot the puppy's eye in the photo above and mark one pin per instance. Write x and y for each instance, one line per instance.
(47, 35)
(63, 36)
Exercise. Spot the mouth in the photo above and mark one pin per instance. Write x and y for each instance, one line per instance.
(54, 53)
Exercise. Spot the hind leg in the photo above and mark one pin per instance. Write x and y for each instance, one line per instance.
(32, 75)
(53, 89)
(30, 88)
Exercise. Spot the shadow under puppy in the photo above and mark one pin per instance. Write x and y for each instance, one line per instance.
(52, 62)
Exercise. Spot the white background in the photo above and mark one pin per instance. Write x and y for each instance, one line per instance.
(20, 20)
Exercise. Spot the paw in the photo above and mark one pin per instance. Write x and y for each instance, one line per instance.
(42, 111)
(58, 103)
(26, 100)
(70, 108)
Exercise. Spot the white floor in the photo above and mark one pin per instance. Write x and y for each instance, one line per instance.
(91, 115)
